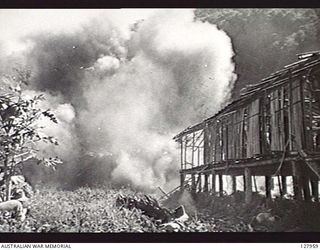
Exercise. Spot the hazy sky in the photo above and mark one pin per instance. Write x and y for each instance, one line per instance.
(16, 23)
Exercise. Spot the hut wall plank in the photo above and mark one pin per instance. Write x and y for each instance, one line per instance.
(244, 132)
(308, 106)
(231, 137)
(277, 106)
(316, 111)
(236, 129)
(210, 149)
(192, 149)
(218, 143)
(181, 154)
(265, 124)
(249, 132)
(206, 142)
(274, 121)
(225, 141)
(213, 141)
(282, 140)
(253, 133)
(297, 119)
(185, 153)
(240, 133)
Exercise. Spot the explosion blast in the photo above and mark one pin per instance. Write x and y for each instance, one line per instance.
(121, 97)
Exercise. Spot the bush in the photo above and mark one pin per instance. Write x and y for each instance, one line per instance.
(82, 210)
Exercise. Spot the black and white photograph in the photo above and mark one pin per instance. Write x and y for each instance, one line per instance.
(159, 120)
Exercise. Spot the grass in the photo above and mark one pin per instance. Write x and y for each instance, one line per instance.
(94, 210)
(82, 210)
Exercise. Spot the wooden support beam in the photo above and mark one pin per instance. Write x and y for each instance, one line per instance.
(290, 114)
(308, 115)
(226, 141)
(181, 154)
(296, 189)
(255, 184)
(248, 189)
(206, 145)
(198, 157)
(315, 189)
(263, 114)
(304, 123)
(193, 183)
(268, 186)
(206, 183)
(306, 188)
(253, 163)
(182, 178)
(279, 185)
(163, 192)
(220, 185)
(199, 183)
(192, 149)
(296, 181)
(213, 182)
(234, 184)
(185, 154)
(284, 185)
(283, 121)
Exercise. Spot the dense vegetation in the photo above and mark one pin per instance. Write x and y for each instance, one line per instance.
(94, 210)
(20, 129)
(86, 210)
(265, 40)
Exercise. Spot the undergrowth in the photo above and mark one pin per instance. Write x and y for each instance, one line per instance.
(82, 210)
(94, 210)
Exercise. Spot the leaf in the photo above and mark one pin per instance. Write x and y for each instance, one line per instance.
(50, 115)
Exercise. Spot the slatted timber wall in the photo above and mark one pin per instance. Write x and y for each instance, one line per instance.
(277, 120)
(297, 121)
(260, 126)
(253, 132)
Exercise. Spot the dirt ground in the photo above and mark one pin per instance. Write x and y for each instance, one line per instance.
(231, 214)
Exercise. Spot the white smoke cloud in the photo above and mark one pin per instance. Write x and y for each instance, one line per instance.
(177, 66)
(63, 131)
(15, 24)
(198, 55)
(125, 92)
(107, 65)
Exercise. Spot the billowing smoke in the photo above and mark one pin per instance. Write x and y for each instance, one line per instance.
(64, 130)
(121, 98)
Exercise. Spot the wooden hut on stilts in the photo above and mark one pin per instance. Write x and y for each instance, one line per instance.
(271, 131)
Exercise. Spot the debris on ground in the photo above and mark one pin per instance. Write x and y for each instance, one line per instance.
(262, 222)
(147, 204)
(209, 212)
(170, 220)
